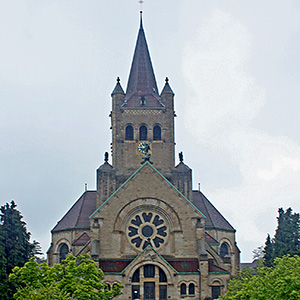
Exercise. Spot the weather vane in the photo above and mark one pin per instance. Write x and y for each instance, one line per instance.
(141, 3)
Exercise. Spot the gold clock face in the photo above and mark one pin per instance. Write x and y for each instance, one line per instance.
(144, 147)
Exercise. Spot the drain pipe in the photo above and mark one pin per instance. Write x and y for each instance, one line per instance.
(199, 284)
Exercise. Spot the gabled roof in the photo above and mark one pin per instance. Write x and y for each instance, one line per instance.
(165, 179)
(213, 217)
(141, 82)
(78, 214)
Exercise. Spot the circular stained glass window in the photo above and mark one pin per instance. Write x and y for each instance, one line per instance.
(147, 228)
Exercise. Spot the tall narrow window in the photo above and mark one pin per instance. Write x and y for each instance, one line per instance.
(129, 133)
(183, 289)
(136, 276)
(156, 133)
(63, 251)
(143, 133)
(191, 289)
(224, 250)
(149, 271)
(215, 292)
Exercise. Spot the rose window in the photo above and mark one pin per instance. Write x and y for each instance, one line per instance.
(147, 228)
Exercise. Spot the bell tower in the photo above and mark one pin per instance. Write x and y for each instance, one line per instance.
(142, 115)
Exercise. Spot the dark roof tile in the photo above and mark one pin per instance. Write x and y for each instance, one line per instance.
(142, 82)
(78, 214)
(82, 240)
(213, 217)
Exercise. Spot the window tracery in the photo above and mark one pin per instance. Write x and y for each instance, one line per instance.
(147, 228)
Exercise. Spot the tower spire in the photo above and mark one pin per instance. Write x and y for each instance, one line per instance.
(141, 86)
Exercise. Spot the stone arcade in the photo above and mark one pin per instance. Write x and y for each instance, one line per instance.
(144, 225)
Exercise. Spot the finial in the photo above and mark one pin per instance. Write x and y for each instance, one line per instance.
(141, 17)
(85, 186)
(167, 79)
(181, 156)
(106, 157)
(118, 79)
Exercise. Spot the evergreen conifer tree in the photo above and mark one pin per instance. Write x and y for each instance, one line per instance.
(268, 252)
(286, 239)
(15, 247)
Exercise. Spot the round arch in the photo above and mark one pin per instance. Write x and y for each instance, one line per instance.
(157, 205)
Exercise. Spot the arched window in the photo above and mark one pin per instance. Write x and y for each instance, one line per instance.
(224, 250)
(63, 251)
(156, 133)
(153, 280)
(143, 133)
(183, 289)
(191, 289)
(215, 292)
(129, 133)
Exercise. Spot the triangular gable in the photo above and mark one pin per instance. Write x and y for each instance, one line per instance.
(148, 254)
(165, 180)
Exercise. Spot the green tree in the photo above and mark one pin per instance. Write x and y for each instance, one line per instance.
(286, 239)
(75, 278)
(268, 252)
(282, 281)
(15, 247)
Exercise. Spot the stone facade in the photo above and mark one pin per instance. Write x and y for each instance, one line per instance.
(144, 225)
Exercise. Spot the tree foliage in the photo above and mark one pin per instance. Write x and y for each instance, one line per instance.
(75, 278)
(286, 239)
(282, 281)
(15, 246)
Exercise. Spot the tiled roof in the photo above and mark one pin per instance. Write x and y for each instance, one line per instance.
(212, 268)
(184, 265)
(118, 88)
(82, 240)
(210, 240)
(78, 214)
(213, 217)
(141, 82)
(113, 265)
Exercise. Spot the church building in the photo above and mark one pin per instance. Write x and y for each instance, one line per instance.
(144, 225)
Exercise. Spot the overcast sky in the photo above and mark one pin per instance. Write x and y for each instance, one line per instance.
(233, 65)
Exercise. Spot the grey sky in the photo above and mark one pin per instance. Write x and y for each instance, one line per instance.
(233, 65)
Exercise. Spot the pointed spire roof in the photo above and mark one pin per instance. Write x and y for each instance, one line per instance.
(167, 89)
(142, 88)
(118, 88)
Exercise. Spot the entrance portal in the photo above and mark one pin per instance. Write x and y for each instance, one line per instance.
(149, 282)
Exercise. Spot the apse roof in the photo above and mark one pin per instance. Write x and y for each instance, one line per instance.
(78, 214)
(142, 89)
(214, 218)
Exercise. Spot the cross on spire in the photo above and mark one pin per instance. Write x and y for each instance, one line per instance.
(141, 4)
